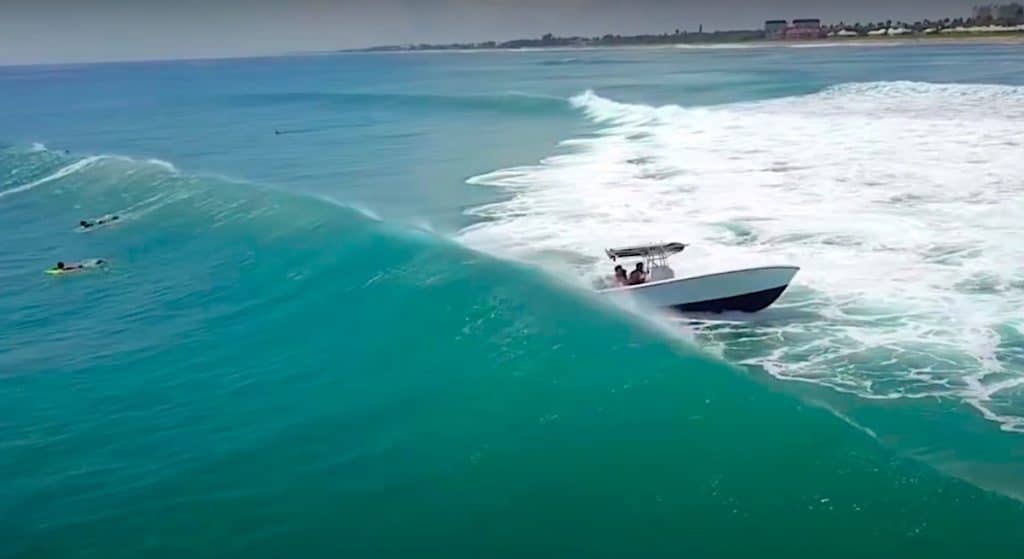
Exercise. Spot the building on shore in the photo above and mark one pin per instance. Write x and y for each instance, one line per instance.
(1010, 14)
(804, 29)
(775, 29)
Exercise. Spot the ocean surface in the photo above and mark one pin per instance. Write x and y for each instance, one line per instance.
(345, 312)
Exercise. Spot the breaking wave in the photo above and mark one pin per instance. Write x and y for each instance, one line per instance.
(901, 201)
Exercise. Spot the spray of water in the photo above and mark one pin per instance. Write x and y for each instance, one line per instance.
(902, 202)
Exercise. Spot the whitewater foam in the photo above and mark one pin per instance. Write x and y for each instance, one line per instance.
(845, 44)
(167, 166)
(83, 164)
(901, 201)
(59, 174)
(722, 46)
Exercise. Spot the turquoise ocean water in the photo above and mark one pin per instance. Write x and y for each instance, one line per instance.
(345, 312)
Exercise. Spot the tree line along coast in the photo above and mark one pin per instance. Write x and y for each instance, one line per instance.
(1001, 20)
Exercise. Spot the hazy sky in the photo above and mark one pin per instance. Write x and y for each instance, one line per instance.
(82, 30)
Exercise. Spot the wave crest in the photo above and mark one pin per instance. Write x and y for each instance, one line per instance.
(892, 196)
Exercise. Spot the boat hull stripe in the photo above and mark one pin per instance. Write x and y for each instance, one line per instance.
(747, 302)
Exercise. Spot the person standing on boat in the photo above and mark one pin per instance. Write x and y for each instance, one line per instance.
(638, 275)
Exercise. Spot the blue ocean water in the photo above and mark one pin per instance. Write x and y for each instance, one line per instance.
(345, 308)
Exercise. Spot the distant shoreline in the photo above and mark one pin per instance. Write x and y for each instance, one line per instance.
(1009, 39)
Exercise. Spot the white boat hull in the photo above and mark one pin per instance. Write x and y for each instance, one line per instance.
(748, 290)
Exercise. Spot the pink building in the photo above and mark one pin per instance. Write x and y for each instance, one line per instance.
(804, 29)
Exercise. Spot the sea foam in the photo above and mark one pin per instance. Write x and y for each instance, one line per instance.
(901, 201)
(57, 175)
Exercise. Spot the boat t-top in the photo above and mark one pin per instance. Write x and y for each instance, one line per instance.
(746, 290)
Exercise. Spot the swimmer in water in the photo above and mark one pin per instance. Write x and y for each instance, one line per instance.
(101, 221)
(62, 267)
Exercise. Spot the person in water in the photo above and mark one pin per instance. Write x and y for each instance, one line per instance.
(620, 275)
(638, 275)
(77, 266)
(101, 221)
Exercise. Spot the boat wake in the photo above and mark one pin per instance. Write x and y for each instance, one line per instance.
(900, 200)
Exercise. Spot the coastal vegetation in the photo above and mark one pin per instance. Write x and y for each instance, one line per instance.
(924, 28)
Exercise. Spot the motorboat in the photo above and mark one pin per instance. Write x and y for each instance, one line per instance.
(745, 290)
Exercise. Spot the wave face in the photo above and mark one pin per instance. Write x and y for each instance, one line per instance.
(317, 359)
(260, 374)
(900, 200)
